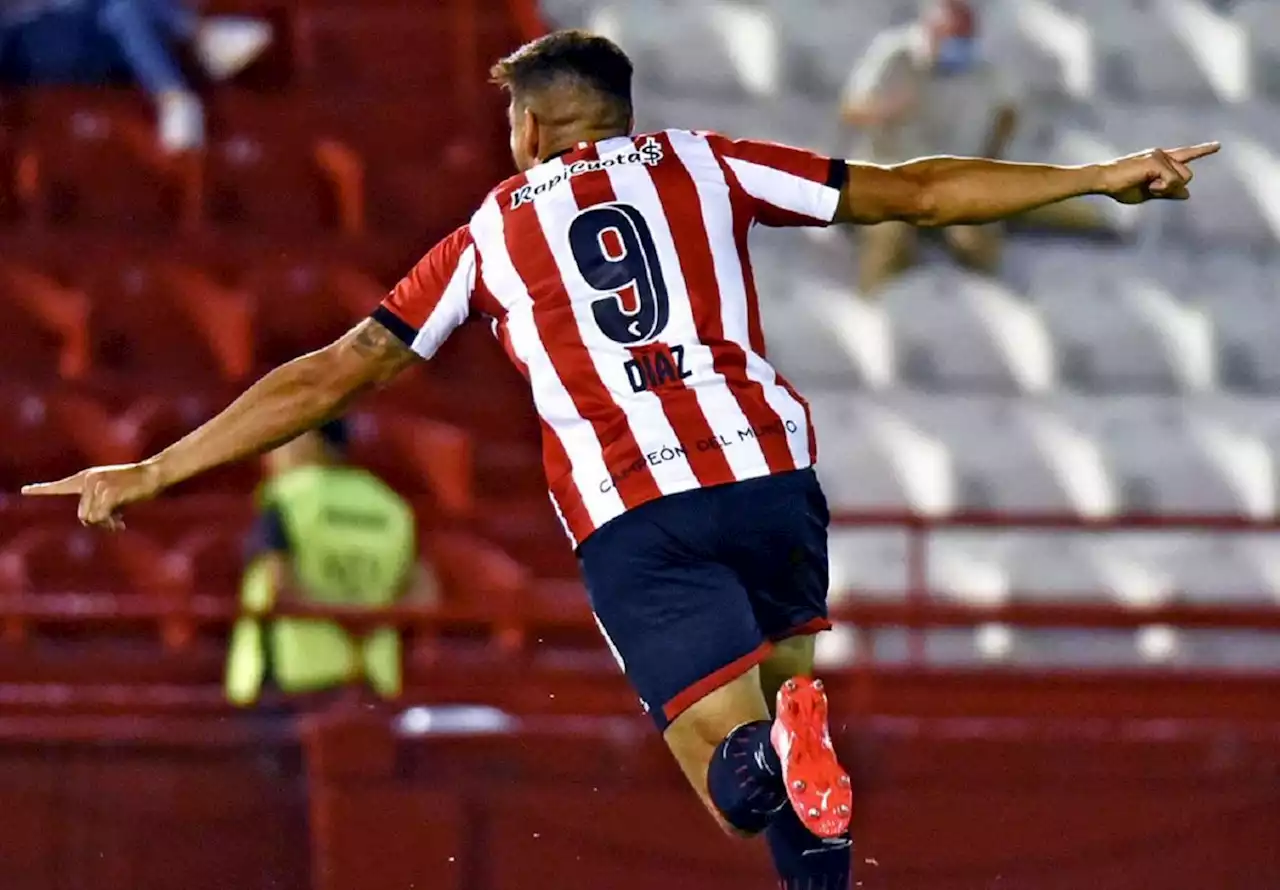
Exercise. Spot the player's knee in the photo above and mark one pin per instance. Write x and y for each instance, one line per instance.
(698, 734)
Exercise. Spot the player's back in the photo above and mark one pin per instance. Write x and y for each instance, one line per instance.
(618, 279)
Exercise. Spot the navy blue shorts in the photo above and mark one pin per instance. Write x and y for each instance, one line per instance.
(692, 590)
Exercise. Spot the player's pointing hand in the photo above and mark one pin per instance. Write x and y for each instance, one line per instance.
(104, 490)
(1156, 174)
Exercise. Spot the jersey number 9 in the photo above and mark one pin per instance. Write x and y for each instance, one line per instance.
(613, 248)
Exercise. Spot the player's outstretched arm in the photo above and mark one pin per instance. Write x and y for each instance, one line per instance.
(948, 191)
(290, 400)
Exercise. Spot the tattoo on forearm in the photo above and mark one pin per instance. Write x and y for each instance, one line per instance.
(372, 339)
(383, 352)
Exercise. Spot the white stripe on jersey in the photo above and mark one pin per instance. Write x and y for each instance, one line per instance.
(717, 209)
(719, 407)
(564, 523)
(556, 209)
(782, 189)
(550, 396)
(453, 308)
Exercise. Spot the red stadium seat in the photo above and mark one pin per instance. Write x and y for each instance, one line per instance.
(38, 445)
(481, 584)
(18, 169)
(44, 327)
(395, 48)
(426, 165)
(92, 160)
(101, 571)
(269, 169)
(527, 527)
(214, 560)
(168, 322)
(417, 456)
(301, 306)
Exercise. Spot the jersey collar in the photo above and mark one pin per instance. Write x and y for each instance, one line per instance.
(564, 151)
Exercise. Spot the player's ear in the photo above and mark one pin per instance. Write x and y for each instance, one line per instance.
(531, 133)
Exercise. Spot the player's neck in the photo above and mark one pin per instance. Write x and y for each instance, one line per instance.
(569, 140)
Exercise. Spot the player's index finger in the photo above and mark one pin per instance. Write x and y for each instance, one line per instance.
(70, 485)
(1192, 152)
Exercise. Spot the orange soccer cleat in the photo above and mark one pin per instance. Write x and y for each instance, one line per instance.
(817, 786)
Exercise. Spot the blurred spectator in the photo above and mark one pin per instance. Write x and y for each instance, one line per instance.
(330, 534)
(94, 42)
(925, 89)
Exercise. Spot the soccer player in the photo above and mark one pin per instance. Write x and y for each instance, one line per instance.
(614, 270)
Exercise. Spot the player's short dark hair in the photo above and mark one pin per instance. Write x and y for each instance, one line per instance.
(591, 59)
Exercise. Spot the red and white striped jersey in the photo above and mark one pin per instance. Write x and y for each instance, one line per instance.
(617, 278)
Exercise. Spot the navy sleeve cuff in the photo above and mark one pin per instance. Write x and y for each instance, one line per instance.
(838, 174)
(404, 331)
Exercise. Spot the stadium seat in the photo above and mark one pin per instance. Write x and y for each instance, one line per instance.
(481, 585)
(213, 560)
(957, 332)
(1104, 335)
(301, 306)
(823, 39)
(417, 456)
(1164, 461)
(269, 169)
(206, 328)
(391, 48)
(39, 446)
(817, 338)
(1238, 294)
(100, 575)
(874, 459)
(868, 563)
(44, 327)
(1001, 461)
(525, 525)
(93, 162)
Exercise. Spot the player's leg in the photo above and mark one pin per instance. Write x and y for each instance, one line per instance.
(743, 796)
(885, 251)
(682, 625)
(977, 247)
(792, 657)
(786, 574)
(682, 628)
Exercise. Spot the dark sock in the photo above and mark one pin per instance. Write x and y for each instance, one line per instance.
(745, 778)
(805, 861)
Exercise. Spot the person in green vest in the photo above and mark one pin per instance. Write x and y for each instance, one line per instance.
(326, 533)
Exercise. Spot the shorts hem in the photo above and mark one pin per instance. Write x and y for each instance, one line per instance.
(810, 628)
(714, 680)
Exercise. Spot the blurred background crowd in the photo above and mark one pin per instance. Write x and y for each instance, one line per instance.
(1052, 446)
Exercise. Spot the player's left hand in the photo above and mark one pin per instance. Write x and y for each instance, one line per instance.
(104, 490)
(1155, 174)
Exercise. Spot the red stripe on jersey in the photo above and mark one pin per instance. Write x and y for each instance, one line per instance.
(555, 459)
(741, 238)
(679, 403)
(564, 489)
(679, 196)
(503, 333)
(557, 327)
(808, 416)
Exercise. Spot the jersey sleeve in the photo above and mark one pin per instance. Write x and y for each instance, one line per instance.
(786, 186)
(435, 297)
